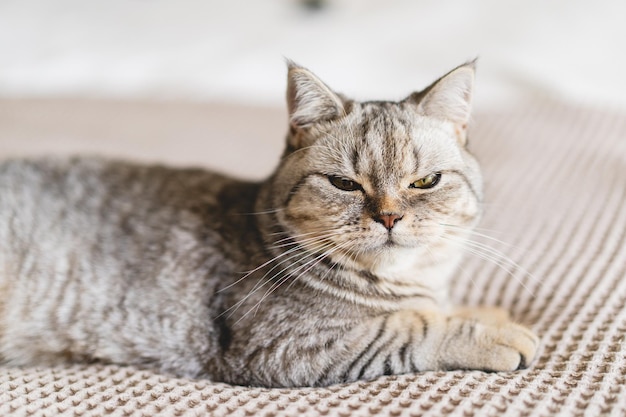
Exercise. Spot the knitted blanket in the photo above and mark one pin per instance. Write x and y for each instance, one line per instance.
(556, 220)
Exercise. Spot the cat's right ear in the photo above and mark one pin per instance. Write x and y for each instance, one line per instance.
(309, 100)
(449, 98)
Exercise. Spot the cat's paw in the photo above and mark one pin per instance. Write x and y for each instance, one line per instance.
(508, 346)
(489, 346)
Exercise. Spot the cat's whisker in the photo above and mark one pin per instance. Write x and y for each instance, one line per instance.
(258, 213)
(501, 255)
(248, 273)
(295, 237)
(290, 254)
(307, 240)
(504, 266)
(343, 255)
(319, 237)
(489, 249)
(327, 254)
(264, 280)
(304, 268)
(270, 261)
(482, 229)
(338, 263)
(294, 254)
(495, 257)
(283, 279)
(476, 232)
(322, 246)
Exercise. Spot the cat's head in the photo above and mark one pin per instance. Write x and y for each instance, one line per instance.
(370, 183)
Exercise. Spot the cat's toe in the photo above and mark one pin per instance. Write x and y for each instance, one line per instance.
(518, 339)
(502, 347)
(523, 363)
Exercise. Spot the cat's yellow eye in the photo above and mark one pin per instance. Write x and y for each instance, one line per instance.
(344, 184)
(428, 181)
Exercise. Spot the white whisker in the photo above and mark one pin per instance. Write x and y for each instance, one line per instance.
(248, 273)
(257, 213)
(492, 255)
(293, 252)
(305, 268)
(317, 234)
(475, 232)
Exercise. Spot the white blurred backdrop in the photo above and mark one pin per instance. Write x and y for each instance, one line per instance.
(233, 50)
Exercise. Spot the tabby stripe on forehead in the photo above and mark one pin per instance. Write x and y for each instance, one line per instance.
(364, 128)
(390, 145)
(354, 159)
(416, 155)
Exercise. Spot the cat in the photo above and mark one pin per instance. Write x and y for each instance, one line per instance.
(334, 269)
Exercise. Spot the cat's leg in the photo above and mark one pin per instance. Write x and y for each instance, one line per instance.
(485, 340)
(414, 341)
(312, 353)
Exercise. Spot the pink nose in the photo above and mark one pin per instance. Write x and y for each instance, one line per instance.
(388, 219)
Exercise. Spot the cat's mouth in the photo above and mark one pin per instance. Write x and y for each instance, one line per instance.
(394, 241)
(390, 243)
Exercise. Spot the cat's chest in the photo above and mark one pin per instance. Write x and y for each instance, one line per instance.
(407, 272)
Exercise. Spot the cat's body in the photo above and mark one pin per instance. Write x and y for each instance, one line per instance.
(333, 269)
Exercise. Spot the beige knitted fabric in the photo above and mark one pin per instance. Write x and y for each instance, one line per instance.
(556, 202)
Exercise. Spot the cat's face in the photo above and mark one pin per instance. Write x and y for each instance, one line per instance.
(376, 180)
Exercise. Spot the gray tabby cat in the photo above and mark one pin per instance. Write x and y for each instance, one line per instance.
(333, 269)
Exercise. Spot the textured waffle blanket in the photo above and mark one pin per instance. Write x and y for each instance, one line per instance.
(555, 202)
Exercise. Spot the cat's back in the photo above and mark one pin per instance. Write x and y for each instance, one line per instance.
(122, 246)
(92, 199)
(89, 182)
(66, 190)
(62, 208)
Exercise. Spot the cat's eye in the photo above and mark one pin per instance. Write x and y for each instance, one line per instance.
(344, 184)
(428, 181)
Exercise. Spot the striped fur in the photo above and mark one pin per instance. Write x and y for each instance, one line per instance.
(333, 269)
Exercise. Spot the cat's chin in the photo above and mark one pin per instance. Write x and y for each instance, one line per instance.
(388, 256)
(394, 242)
(398, 254)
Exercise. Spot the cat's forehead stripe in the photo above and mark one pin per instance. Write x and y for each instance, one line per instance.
(385, 143)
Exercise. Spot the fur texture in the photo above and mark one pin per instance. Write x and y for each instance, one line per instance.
(333, 269)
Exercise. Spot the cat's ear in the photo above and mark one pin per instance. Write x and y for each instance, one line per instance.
(449, 98)
(309, 100)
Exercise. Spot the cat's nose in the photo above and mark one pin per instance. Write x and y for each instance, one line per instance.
(388, 219)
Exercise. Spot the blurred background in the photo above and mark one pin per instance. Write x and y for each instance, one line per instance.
(233, 50)
(222, 59)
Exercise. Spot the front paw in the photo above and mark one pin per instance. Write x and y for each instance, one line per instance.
(489, 346)
(512, 346)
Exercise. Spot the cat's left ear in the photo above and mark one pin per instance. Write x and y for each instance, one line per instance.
(449, 98)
